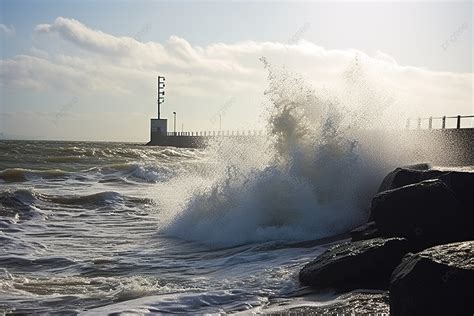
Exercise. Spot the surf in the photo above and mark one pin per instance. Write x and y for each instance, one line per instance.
(309, 179)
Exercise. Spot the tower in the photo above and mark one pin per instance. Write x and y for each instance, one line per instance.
(161, 93)
(159, 126)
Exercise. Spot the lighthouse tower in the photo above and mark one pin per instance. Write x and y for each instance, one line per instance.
(159, 126)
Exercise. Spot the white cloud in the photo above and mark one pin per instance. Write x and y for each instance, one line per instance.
(210, 75)
(39, 53)
(93, 40)
(7, 30)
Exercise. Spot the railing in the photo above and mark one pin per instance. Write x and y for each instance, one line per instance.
(218, 133)
(441, 119)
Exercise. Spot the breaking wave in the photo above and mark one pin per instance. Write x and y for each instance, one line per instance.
(309, 179)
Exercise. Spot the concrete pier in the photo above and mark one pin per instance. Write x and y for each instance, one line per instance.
(438, 146)
(448, 147)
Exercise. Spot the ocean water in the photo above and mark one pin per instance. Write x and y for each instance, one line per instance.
(86, 225)
(81, 228)
(99, 228)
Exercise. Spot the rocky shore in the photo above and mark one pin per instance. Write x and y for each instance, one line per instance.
(418, 245)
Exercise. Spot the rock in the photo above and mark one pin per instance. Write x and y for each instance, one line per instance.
(436, 281)
(405, 176)
(364, 232)
(361, 264)
(427, 212)
(462, 184)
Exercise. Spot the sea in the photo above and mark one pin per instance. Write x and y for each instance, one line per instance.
(100, 228)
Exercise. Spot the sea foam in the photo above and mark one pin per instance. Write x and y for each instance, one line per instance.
(308, 179)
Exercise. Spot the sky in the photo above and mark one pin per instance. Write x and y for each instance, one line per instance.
(86, 70)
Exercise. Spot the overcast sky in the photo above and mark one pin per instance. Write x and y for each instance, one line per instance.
(86, 70)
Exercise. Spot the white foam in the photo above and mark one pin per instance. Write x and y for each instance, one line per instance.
(307, 180)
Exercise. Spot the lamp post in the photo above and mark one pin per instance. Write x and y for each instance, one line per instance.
(174, 129)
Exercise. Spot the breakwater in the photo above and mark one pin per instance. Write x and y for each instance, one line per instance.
(439, 146)
(199, 139)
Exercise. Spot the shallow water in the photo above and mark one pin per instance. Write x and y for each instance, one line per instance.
(82, 228)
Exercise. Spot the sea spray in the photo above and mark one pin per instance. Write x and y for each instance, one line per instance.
(308, 179)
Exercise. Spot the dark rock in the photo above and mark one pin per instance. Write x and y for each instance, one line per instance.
(405, 176)
(361, 264)
(364, 232)
(462, 184)
(427, 212)
(436, 281)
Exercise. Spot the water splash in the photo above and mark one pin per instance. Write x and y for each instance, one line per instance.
(309, 179)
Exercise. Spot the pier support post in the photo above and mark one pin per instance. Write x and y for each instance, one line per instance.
(443, 126)
(430, 123)
(458, 126)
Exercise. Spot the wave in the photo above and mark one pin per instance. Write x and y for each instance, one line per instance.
(68, 289)
(97, 199)
(120, 172)
(64, 159)
(16, 263)
(133, 171)
(20, 205)
(27, 204)
(21, 175)
(310, 179)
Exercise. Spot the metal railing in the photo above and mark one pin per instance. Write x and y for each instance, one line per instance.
(218, 133)
(441, 119)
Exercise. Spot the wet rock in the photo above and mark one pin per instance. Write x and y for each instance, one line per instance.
(364, 232)
(462, 184)
(436, 281)
(361, 264)
(427, 213)
(406, 175)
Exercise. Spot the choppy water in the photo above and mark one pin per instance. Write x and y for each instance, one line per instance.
(114, 227)
(80, 229)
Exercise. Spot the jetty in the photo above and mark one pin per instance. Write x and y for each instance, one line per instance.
(446, 140)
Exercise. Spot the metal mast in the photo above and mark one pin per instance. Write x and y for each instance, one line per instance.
(161, 93)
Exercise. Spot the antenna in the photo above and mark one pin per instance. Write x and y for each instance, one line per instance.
(161, 92)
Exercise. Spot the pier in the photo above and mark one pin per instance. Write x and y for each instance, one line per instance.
(198, 139)
(442, 122)
(444, 140)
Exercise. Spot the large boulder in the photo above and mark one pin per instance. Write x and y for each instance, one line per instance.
(460, 182)
(361, 264)
(436, 281)
(366, 231)
(405, 176)
(427, 213)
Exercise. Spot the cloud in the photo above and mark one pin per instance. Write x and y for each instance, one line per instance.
(39, 53)
(89, 39)
(7, 30)
(118, 66)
